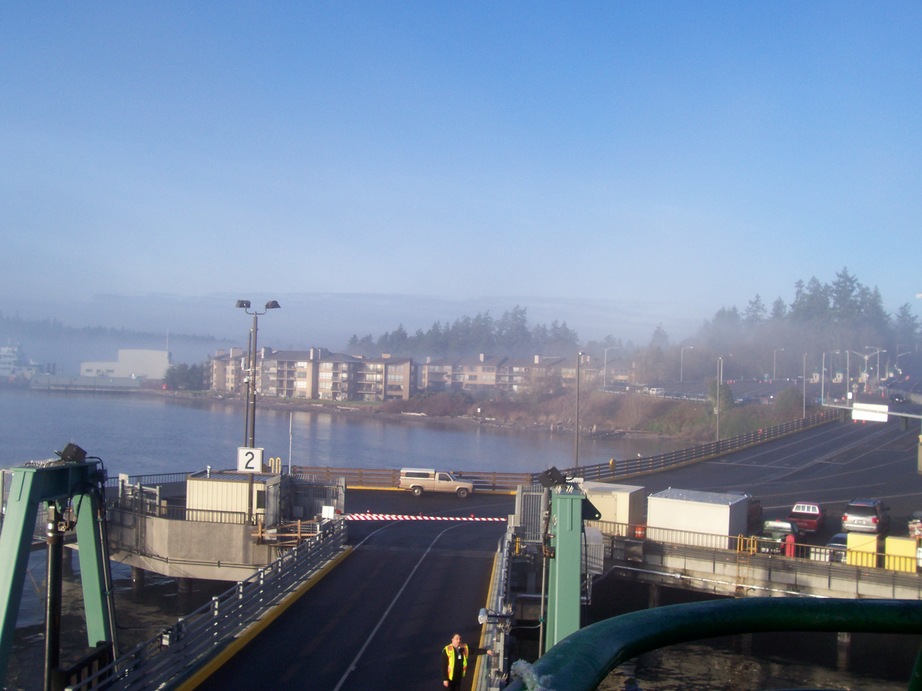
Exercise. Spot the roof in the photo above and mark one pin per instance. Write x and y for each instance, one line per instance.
(297, 355)
(230, 476)
(700, 496)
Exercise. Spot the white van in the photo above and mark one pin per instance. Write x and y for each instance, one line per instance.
(419, 480)
(656, 391)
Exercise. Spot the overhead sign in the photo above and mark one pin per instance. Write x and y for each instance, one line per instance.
(872, 412)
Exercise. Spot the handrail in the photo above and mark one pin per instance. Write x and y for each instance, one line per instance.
(631, 467)
(876, 562)
(583, 659)
(179, 650)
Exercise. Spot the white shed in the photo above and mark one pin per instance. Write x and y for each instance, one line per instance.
(690, 516)
(226, 491)
(616, 503)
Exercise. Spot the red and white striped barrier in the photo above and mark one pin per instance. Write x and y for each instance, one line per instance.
(407, 517)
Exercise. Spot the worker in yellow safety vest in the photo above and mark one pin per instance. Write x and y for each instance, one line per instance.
(454, 663)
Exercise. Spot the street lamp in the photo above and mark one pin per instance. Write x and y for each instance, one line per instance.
(775, 362)
(823, 380)
(605, 366)
(899, 355)
(720, 380)
(804, 413)
(251, 368)
(682, 362)
(865, 356)
(848, 391)
(867, 377)
(579, 358)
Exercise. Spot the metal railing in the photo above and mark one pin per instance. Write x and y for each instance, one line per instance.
(177, 652)
(893, 573)
(492, 671)
(630, 467)
(384, 478)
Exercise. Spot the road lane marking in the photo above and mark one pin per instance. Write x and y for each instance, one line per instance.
(371, 636)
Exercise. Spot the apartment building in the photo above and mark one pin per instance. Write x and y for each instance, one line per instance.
(318, 374)
(525, 375)
(226, 370)
(434, 375)
(385, 379)
(476, 374)
(290, 373)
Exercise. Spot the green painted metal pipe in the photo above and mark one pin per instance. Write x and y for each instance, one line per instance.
(582, 660)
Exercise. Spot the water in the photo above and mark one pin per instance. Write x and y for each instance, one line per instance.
(148, 434)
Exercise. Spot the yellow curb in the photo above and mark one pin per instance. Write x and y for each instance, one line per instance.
(258, 627)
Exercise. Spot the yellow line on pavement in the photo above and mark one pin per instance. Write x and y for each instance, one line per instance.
(258, 627)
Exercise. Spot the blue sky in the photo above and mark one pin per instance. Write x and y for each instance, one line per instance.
(613, 165)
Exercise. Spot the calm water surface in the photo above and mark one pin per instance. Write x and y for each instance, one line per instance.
(136, 433)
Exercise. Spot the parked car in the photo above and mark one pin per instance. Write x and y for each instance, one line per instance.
(773, 539)
(420, 480)
(866, 516)
(915, 524)
(809, 516)
(836, 547)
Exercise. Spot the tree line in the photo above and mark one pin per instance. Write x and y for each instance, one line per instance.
(837, 317)
(509, 335)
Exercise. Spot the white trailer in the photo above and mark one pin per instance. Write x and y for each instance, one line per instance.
(695, 517)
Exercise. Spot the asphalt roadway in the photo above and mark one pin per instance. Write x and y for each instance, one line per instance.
(831, 464)
(381, 618)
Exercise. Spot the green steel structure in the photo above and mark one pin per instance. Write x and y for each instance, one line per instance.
(73, 484)
(564, 573)
(565, 537)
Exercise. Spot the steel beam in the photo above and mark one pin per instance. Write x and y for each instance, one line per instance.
(55, 483)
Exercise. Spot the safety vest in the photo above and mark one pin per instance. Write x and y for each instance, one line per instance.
(450, 652)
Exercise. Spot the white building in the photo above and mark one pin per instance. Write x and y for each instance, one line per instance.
(136, 364)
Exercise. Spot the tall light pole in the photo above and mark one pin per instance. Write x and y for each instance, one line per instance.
(865, 356)
(682, 362)
(251, 367)
(899, 355)
(823, 380)
(605, 366)
(804, 413)
(848, 394)
(720, 379)
(775, 363)
(579, 357)
(848, 377)
(867, 377)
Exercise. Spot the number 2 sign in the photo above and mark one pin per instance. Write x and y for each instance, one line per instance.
(249, 460)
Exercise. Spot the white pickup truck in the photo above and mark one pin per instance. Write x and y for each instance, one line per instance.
(419, 480)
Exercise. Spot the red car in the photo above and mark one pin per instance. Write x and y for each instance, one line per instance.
(809, 516)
